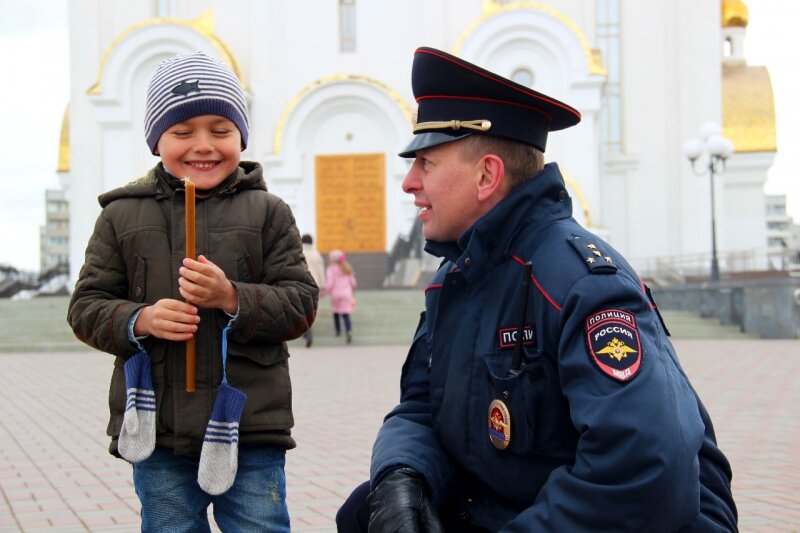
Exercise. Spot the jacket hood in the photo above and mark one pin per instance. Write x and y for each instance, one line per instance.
(159, 183)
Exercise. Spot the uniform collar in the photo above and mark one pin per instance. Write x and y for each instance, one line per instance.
(489, 241)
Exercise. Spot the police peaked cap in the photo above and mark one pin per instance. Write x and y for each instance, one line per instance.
(457, 99)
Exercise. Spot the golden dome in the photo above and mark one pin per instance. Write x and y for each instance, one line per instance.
(748, 108)
(63, 145)
(734, 14)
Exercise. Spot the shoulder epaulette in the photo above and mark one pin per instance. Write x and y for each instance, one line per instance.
(596, 260)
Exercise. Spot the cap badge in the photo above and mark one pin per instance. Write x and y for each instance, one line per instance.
(499, 424)
(477, 125)
(185, 88)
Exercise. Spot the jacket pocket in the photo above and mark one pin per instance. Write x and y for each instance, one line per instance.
(265, 354)
(262, 373)
(117, 396)
(539, 414)
(138, 276)
(245, 269)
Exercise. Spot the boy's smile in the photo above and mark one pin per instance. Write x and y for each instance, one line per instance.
(205, 148)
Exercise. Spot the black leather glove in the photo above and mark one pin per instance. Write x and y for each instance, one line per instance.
(400, 504)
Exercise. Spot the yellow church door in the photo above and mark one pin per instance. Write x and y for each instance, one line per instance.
(351, 202)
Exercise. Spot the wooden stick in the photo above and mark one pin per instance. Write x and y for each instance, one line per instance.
(190, 253)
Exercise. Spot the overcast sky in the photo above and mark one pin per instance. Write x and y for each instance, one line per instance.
(34, 55)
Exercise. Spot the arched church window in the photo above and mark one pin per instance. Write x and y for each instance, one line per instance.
(523, 76)
(164, 8)
(347, 25)
(608, 40)
(727, 47)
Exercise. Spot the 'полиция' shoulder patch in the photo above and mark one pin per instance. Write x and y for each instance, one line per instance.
(613, 343)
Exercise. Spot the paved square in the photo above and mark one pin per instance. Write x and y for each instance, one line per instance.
(56, 475)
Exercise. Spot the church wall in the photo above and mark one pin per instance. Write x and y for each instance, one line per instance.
(85, 186)
(670, 88)
(699, 101)
(744, 207)
(582, 12)
(115, 17)
(646, 200)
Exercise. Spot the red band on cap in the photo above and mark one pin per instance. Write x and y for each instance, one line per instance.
(448, 97)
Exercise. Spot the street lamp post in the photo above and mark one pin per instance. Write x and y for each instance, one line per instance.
(710, 151)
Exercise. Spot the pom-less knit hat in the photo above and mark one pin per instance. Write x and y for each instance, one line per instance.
(186, 86)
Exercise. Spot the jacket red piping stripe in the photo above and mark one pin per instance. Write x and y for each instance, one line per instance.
(644, 292)
(536, 282)
(434, 286)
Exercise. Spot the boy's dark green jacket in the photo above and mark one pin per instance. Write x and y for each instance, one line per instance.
(132, 261)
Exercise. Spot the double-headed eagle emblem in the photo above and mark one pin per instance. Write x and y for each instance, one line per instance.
(617, 349)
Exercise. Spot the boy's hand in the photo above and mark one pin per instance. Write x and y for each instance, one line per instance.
(167, 319)
(204, 284)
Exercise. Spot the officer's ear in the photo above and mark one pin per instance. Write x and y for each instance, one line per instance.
(491, 173)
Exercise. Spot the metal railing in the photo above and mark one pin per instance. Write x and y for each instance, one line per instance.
(679, 268)
(406, 247)
(14, 280)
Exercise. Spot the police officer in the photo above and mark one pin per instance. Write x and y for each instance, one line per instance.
(541, 391)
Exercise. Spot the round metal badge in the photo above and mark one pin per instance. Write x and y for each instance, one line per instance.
(499, 424)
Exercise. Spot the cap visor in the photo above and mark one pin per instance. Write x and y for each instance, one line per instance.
(429, 140)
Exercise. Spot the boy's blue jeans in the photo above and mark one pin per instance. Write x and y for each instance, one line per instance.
(172, 500)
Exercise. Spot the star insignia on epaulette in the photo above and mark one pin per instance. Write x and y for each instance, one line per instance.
(597, 260)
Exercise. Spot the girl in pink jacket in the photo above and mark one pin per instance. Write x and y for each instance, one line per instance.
(340, 282)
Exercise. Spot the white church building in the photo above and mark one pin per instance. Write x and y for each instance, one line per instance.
(330, 101)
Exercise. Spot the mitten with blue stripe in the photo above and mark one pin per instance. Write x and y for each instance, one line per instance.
(137, 439)
(219, 457)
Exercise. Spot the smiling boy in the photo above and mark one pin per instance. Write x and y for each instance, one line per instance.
(248, 291)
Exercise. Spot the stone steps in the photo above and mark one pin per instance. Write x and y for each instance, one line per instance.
(688, 325)
(381, 317)
(390, 317)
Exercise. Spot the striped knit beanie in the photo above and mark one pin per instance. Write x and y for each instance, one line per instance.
(186, 86)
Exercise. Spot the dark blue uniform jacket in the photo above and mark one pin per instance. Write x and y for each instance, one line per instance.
(605, 432)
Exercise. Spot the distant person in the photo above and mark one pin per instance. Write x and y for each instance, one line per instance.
(247, 293)
(541, 392)
(316, 265)
(340, 284)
